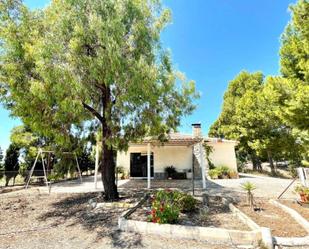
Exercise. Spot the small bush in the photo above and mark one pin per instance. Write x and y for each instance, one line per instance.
(163, 208)
(187, 203)
(224, 170)
(166, 206)
(220, 172)
(213, 173)
(170, 170)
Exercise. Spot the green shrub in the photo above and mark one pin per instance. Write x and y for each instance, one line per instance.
(224, 170)
(187, 203)
(163, 208)
(54, 176)
(164, 212)
(170, 170)
(167, 204)
(220, 172)
(213, 173)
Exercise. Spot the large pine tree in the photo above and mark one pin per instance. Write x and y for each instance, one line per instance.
(77, 61)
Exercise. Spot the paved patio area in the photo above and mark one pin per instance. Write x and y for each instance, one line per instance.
(268, 187)
(75, 186)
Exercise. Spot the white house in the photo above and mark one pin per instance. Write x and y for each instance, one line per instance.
(183, 151)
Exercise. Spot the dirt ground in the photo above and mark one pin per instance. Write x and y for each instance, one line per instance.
(303, 211)
(32, 220)
(277, 220)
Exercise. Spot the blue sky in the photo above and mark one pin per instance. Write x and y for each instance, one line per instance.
(211, 41)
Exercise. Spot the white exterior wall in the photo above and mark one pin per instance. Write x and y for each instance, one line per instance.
(223, 154)
(178, 156)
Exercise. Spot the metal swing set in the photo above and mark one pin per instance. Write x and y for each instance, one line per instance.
(41, 154)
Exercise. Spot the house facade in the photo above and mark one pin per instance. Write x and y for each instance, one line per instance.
(182, 151)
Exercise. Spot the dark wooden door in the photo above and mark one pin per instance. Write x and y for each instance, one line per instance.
(138, 165)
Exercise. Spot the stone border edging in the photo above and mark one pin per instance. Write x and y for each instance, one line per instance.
(265, 232)
(243, 217)
(294, 214)
(188, 232)
(291, 241)
(115, 205)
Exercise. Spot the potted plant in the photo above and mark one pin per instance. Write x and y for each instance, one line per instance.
(189, 174)
(119, 172)
(170, 171)
(303, 193)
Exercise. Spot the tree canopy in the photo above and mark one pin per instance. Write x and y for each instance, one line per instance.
(76, 61)
(270, 118)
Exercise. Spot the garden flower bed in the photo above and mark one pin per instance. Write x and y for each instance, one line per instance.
(173, 214)
(215, 214)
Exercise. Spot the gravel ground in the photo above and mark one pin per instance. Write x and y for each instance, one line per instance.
(30, 219)
(280, 223)
(303, 211)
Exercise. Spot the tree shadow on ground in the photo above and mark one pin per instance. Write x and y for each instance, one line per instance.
(77, 210)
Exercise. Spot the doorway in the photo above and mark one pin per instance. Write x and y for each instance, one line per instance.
(138, 165)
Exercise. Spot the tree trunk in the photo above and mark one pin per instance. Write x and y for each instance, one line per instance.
(108, 173)
(256, 163)
(108, 163)
(271, 163)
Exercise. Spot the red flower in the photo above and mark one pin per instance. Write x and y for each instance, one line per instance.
(161, 209)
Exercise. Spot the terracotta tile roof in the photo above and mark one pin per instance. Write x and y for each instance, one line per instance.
(180, 139)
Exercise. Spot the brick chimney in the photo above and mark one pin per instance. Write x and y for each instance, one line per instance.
(196, 130)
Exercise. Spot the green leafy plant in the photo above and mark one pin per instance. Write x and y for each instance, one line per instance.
(208, 151)
(170, 171)
(220, 172)
(166, 206)
(249, 187)
(187, 203)
(224, 171)
(214, 173)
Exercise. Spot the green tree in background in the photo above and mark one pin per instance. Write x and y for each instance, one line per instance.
(1, 156)
(76, 61)
(257, 120)
(271, 119)
(295, 44)
(227, 123)
(11, 163)
(294, 61)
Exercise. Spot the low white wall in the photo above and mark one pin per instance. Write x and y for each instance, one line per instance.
(178, 156)
(223, 154)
